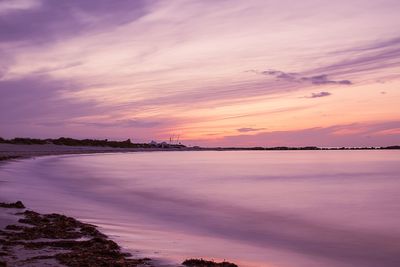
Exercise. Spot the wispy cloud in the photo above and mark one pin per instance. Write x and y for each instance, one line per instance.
(321, 79)
(249, 129)
(39, 97)
(320, 94)
(155, 65)
(129, 123)
(371, 58)
(47, 20)
(18, 5)
(61, 67)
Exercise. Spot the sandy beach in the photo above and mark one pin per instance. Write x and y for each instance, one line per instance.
(12, 150)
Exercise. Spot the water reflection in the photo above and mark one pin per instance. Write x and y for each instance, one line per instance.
(302, 208)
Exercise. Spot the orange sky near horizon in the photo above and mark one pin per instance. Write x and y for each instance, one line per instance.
(229, 73)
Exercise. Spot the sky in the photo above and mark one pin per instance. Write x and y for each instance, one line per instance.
(216, 73)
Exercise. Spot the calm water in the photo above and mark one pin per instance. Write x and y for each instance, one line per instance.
(286, 209)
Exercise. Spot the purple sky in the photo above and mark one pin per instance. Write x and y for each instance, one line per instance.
(229, 73)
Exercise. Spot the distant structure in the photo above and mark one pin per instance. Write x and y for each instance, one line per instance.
(173, 143)
(174, 140)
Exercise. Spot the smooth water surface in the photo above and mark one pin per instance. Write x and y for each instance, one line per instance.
(255, 208)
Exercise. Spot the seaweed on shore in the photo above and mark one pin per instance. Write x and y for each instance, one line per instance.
(4, 158)
(16, 205)
(70, 241)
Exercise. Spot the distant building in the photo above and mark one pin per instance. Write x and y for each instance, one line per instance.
(164, 144)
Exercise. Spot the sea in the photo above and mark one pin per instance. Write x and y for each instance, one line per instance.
(253, 208)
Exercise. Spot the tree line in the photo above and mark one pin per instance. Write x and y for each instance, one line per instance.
(82, 142)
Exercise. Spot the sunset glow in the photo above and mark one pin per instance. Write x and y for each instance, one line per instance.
(217, 73)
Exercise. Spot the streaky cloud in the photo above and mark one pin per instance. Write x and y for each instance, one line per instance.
(33, 98)
(249, 129)
(113, 123)
(320, 94)
(367, 59)
(321, 79)
(53, 20)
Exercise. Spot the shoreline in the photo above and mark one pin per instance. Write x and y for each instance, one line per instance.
(58, 240)
(14, 151)
(29, 238)
(28, 150)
